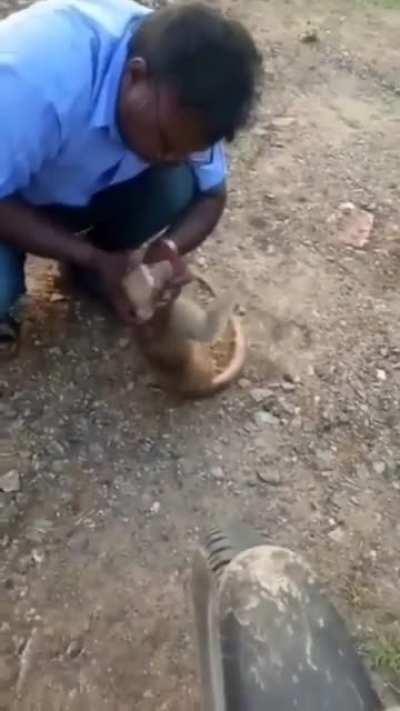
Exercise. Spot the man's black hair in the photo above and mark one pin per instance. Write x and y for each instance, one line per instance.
(211, 61)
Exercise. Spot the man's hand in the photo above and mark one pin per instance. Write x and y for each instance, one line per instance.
(112, 267)
(161, 250)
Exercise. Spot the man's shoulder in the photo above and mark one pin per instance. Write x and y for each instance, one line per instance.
(53, 18)
(108, 16)
(60, 46)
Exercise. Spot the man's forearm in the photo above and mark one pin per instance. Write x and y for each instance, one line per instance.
(198, 222)
(23, 227)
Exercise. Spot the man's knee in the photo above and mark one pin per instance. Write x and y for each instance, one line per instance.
(177, 185)
(172, 190)
(12, 282)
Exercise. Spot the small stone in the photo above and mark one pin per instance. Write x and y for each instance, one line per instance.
(310, 36)
(325, 458)
(56, 448)
(337, 535)
(96, 451)
(124, 343)
(74, 648)
(263, 418)
(38, 556)
(270, 477)
(10, 482)
(326, 474)
(244, 383)
(155, 508)
(379, 468)
(354, 225)
(188, 467)
(260, 394)
(381, 375)
(217, 473)
(283, 122)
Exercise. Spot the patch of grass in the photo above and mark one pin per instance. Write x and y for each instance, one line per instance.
(389, 4)
(356, 594)
(384, 655)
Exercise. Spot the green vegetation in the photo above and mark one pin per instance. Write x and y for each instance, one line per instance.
(384, 655)
(390, 4)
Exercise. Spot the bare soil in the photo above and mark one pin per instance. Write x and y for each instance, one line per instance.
(118, 481)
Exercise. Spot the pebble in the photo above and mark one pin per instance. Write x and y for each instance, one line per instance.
(270, 477)
(124, 343)
(310, 36)
(337, 535)
(379, 468)
(96, 451)
(10, 482)
(56, 448)
(74, 648)
(38, 556)
(244, 383)
(262, 418)
(283, 122)
(325, 457)
(217, 473)
(155, 508)
(260, 394)
(381, 375)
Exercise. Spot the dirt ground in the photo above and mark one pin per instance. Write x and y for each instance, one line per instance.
(117, 481)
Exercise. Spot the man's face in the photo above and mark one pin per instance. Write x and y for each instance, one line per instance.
(152, 122)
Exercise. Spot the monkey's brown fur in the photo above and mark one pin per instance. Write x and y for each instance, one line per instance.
(177, 342)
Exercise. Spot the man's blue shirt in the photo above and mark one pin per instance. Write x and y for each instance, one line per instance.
(61, 63)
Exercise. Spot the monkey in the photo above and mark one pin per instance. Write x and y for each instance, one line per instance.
(181, 346)
(176, 339)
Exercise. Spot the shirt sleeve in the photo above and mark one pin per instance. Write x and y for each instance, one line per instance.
(210, 167)
(29, 131)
